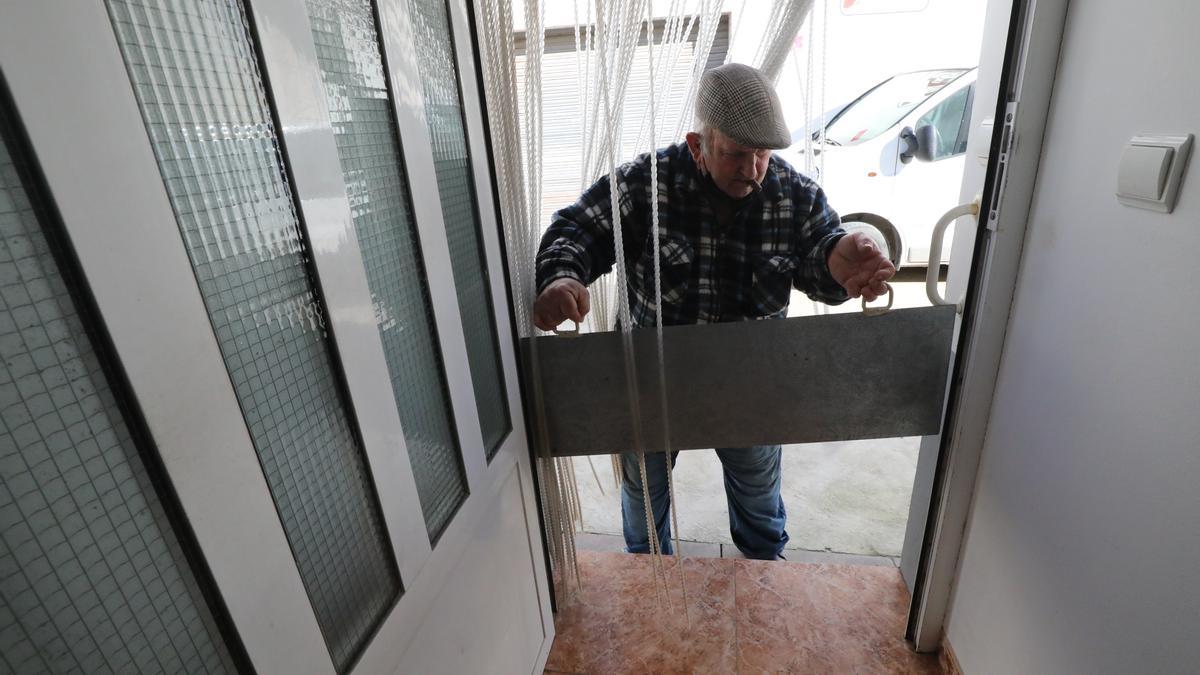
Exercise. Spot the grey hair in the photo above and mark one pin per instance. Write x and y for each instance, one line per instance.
(705, 130)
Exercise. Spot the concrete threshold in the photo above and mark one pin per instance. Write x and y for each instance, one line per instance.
(610, 543)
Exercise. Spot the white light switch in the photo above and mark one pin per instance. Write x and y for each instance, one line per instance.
(1150, 170)
(1144, 171)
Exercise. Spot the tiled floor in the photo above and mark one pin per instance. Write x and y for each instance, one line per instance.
(743, 616)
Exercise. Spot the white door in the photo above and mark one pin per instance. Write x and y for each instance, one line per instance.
(287, 227)
(1016, 75)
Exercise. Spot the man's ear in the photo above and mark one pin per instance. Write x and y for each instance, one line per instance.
(695, 144)
(694, 140)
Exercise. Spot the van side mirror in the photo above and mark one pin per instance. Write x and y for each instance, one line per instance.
(921, 144)
(928, 141)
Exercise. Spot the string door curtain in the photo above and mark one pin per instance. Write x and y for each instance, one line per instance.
(630, 69)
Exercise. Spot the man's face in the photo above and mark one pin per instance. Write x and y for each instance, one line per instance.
(736, 169)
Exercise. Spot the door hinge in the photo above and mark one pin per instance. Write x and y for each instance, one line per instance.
(1007, 135)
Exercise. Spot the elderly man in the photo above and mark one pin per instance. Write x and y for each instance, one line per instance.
(739, 228)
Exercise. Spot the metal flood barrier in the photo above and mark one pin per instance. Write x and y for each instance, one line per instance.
(834, 377)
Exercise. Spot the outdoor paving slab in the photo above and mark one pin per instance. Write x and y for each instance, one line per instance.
(849, 497)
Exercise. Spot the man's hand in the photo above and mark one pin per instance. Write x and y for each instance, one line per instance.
(860, 267)
(563, 299)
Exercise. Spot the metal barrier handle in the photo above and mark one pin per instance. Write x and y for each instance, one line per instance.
(876, 311)
(935, 251)
(574, 332)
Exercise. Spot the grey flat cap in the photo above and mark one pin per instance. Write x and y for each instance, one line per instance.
(741, 102)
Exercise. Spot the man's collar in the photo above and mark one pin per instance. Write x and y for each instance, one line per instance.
(772, 187)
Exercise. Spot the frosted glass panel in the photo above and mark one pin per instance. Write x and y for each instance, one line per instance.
(92, 578)
(195, 73)
(368, 144)
(460, 212)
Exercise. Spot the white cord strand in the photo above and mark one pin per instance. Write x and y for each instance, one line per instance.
(737, 30)
(787, 16)
(518, 175)
(809, 158)
(612, 38)
(657, 281)
(623, 49)
(599, 484)
(824, 70)
(612, 114)
(709, 20)
(662, 82)
(658, 325)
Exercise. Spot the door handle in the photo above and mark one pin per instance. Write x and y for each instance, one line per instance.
(935, 252)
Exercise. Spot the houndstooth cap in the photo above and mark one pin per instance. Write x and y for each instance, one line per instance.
(741, 102)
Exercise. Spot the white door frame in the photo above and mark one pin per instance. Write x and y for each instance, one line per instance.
(1031, 66)
(90, 141)
(106, 184)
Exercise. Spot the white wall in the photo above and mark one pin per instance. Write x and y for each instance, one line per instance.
(1083, 548)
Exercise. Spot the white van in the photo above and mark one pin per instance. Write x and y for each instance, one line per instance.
(871, 145)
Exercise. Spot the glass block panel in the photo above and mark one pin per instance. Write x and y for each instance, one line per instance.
(92, 577)
(460, 212)
(368, 143)
(196, 78)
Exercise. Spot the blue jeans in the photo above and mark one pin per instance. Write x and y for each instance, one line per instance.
(752, 482)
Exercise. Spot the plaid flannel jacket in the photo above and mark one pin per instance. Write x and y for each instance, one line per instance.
(777, 238)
